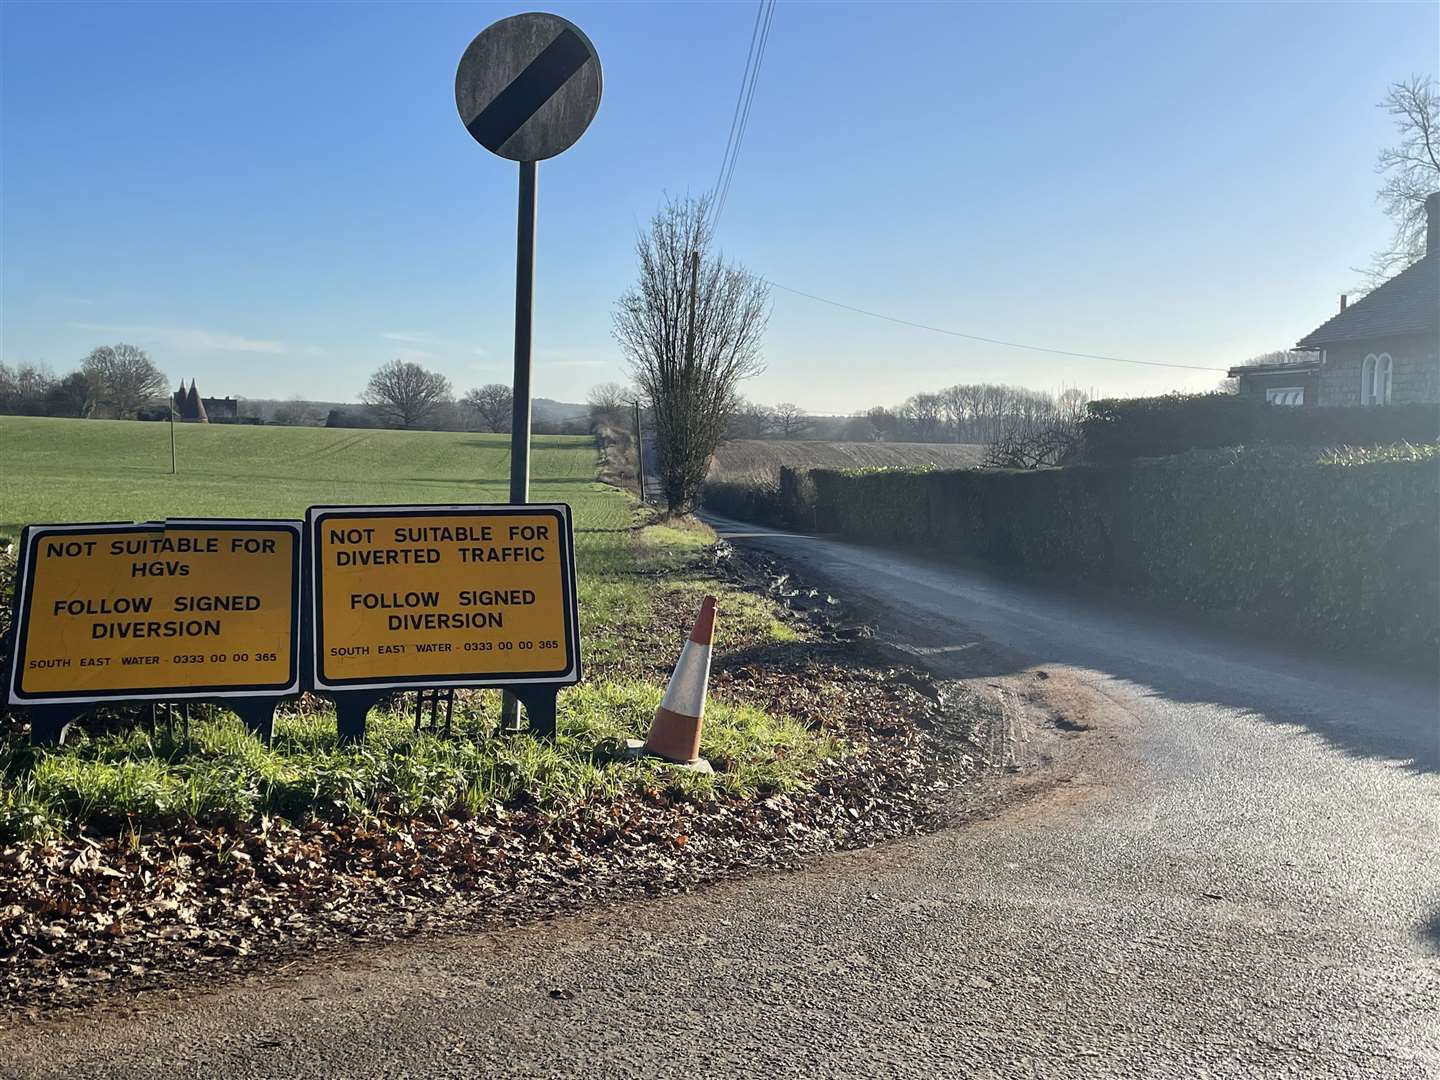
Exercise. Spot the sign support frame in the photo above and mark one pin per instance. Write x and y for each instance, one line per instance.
(354, 701)
(49, 724)
(351, 709)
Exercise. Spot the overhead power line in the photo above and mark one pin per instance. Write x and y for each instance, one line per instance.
(740, 120)
(740, 97)
(989, 340)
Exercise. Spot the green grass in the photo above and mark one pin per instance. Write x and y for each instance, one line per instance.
(133, 780)
(71, 470)
(111, 470)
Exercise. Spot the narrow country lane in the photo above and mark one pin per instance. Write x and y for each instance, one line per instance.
(1225, 865)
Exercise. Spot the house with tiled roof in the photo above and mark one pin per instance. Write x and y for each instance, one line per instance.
(1385, 347)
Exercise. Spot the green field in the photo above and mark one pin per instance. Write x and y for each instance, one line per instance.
(633, 578)
(89, 470)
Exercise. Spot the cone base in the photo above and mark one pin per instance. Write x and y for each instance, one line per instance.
(635, 748)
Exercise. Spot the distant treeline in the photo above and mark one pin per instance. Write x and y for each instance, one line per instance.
(547, 417)
(964, 413)
(120, 382)
(113, 381)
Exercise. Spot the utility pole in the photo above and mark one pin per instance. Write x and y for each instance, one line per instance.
(694, 290)
(639, 452)
(687, 369)
(172, 435)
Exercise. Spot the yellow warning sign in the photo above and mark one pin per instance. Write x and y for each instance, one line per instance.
(443, 596)
(192, 608)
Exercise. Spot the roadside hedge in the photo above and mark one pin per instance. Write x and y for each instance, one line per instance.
(786, 503)
(748, 502)
(1123, 429)
(1341, 550)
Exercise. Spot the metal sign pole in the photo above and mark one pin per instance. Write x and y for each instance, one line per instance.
(520, 392)
(527, 87)
(524, 312)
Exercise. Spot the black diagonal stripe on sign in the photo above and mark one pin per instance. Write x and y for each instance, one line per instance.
(529, 90)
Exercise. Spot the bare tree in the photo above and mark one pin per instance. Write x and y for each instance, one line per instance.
(1033, 446)
(690, 328)
(960, 405)
(1071, 403)
(608, 401)
(609, 405)
(24, 389)
(885, 423)
(986, 413)
(790, 420)
(925, 413)
(297, 413)
(404, 394)
(750, 420)
(859, 428)
(1411, 170)
(1039, 430)
(123, 378)
(492, 405)
(74, 395)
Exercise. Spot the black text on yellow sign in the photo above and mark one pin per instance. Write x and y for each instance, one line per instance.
(443, 596)
(158, 611)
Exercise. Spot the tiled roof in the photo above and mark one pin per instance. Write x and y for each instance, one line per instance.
(1409, 303)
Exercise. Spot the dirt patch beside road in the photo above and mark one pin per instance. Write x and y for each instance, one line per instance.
(1046, 723)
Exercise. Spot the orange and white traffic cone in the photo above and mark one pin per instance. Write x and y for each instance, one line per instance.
(675, 732)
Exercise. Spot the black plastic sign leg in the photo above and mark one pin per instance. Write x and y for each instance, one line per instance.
(350, 712)
(258, 715)
(49, 724)
(539, 702)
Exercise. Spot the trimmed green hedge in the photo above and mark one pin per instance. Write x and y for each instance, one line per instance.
(1121, 429)
(1341, 550)
(789, 503)
(748, 502)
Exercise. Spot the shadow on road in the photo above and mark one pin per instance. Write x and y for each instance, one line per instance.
(1430, 931)
(974, 622)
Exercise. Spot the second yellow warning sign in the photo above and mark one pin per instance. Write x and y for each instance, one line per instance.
(443, 596)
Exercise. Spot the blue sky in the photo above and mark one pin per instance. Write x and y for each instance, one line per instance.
(275, 199)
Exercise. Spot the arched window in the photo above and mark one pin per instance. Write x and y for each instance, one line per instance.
(1384, 368)
(1367, 381)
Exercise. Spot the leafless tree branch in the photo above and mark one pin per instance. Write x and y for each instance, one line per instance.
(690, 328)
(404, 394)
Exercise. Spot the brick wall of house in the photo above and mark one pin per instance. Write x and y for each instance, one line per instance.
(1416, 370)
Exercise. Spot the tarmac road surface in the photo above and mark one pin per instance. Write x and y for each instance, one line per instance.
(1222, 862)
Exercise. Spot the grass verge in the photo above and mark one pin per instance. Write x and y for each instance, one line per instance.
(635, 580)
(119, 777)
(134, 858)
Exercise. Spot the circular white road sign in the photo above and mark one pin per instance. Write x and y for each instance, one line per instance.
(528, 86)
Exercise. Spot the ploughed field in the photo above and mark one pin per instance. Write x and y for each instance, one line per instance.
(758, 461)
